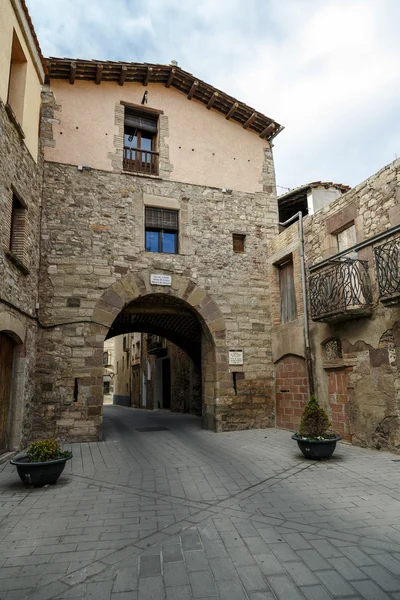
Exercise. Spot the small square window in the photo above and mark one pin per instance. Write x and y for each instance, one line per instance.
(238, 240)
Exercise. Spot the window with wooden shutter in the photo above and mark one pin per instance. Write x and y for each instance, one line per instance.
(18, 241)
(161, 230)
(346, 238)
(140, 142)
(287, 292)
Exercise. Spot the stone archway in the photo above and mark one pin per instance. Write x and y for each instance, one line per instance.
(135, 290)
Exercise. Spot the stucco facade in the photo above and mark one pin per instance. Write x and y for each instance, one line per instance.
(200, 147)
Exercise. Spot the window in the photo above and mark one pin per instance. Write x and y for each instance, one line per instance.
(238, 240)
(117, 367)
(16, 84)
(105, 358)
(346, 238)
(18, 229)
(123, 363)
(140, 142)
(288, 296)
(161, 230)
(106, 385)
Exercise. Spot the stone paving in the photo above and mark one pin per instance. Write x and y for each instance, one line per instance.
(178, 513)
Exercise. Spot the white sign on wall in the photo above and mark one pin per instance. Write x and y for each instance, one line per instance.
(160, 279)
(235, 357)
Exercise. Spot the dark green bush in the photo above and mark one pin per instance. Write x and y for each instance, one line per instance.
(45, 450)
(314, 422)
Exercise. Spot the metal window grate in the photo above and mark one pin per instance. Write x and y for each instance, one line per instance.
(159, 218)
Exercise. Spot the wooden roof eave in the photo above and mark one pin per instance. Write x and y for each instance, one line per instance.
(171, 76)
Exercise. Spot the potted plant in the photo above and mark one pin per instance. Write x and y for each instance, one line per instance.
(42, 464)
(313, 437)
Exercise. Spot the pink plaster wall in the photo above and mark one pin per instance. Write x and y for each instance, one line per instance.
(204, 147)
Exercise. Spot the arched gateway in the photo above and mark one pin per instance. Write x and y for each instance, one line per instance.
(182, 312)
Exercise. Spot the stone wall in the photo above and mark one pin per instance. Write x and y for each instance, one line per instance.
(185, 382)
(93, 237)
(365, 367)
(291, 391)
(22, 176)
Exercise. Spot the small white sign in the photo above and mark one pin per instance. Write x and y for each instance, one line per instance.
(235, 357)
(160, 279)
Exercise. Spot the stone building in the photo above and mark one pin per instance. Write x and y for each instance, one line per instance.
(352, 259)
(22, 72)
(108, 370)
(158, 203)
(127, 369)
(147, 211)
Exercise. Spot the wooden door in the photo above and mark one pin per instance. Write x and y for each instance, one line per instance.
(6, 363)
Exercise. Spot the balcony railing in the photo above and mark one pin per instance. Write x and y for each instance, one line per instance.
(341, 290)
(155, 344)
(387, 260)
(140, 161)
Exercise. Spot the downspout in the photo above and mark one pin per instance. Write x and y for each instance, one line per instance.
(299, 216)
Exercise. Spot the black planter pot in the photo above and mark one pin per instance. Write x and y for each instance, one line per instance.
(316, 449)
(39, 473)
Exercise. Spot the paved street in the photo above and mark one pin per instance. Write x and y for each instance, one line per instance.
(162, 510)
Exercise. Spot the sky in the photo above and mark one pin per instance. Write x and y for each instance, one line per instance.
(327, 70)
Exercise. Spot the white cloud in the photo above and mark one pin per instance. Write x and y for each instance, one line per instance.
(329, 70)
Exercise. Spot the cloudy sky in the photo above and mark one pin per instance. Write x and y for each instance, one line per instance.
(328, 70)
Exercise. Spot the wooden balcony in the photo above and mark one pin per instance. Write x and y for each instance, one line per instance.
(387, 260)
(340, 290)
(140, 161)
(155, 344)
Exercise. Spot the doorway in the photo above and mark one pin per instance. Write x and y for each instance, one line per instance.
(6, 371)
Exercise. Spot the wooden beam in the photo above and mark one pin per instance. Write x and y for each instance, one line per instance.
(192, 90)
(212, 100)
(148, 75)
(122, 75)
(267, 130)
(99, 74)
(72, 73)
(249, 121)
(232, 110)
(170, 77)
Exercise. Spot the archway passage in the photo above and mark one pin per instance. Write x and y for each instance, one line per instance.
(165, 316)
(6, 369)
(176, 355)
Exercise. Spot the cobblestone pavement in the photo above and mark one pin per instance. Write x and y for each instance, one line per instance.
(179, 513)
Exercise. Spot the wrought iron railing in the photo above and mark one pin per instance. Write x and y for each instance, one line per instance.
(340, 290)
(387, 260)
(155, 343)
(140, 161)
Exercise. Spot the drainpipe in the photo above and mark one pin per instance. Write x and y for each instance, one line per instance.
(299, 216)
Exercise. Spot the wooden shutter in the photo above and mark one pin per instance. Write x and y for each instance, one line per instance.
(288, 296)
(159, 218)
(238, 242)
